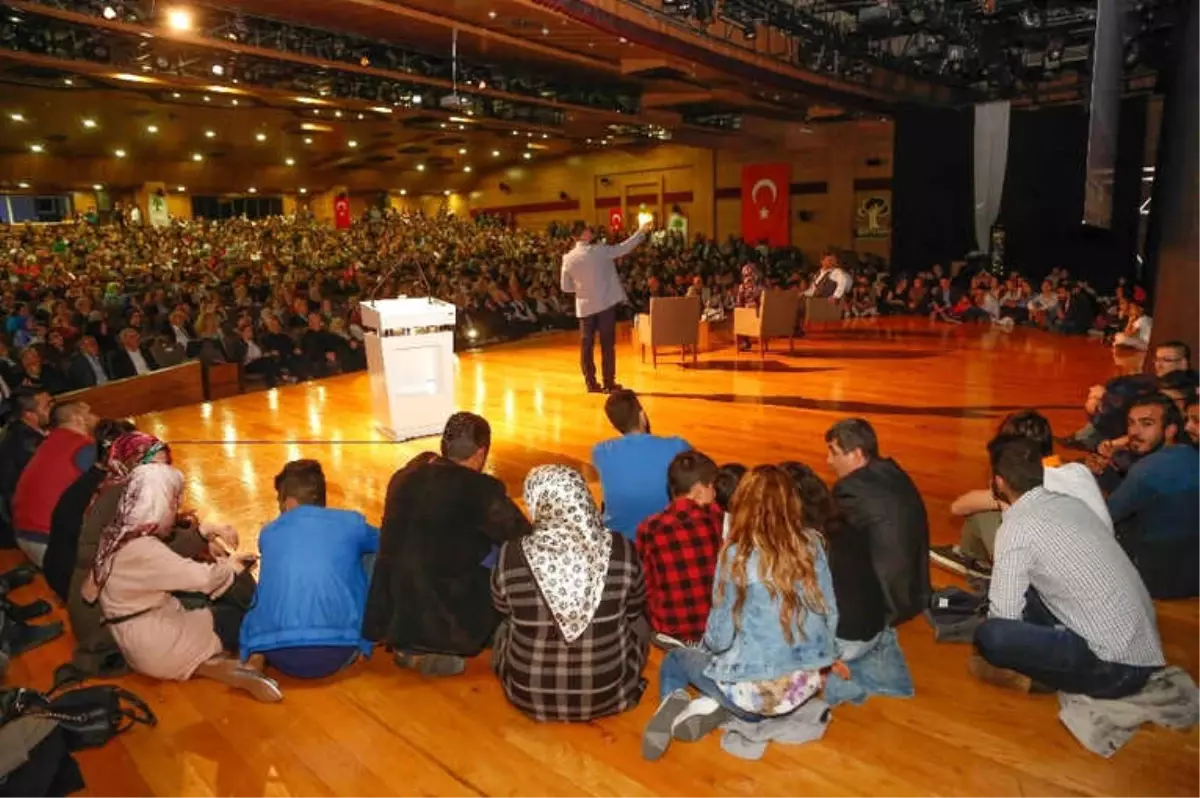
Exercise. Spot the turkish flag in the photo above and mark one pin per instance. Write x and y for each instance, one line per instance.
(341, 212)
(616, 219)
(766, 203)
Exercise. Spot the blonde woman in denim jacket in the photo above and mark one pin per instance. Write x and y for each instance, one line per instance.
(771, 632)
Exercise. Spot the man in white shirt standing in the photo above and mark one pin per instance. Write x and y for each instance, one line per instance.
(589, 272)
(1067, 609)
(832, 282)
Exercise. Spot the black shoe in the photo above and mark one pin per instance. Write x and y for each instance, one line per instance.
(950, 558)
(594, 389)
(616, 386)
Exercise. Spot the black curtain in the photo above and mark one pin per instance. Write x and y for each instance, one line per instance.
(932, 218)
(1042, 208)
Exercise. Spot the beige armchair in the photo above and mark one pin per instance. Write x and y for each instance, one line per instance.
(775, 317)
(672, 321)
(821, 309)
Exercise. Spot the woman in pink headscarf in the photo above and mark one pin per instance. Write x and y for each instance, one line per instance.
(136, 575)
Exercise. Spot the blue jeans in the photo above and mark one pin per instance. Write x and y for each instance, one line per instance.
(684, 666)
(1040, 647)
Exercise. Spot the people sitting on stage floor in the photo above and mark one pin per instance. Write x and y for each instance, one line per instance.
(1068, 611)
(574, 637)
(22, 436)
(678, 548)
(136, 578)
(876, 500)
(980, 509)
(725, 483)
(430, 597)
(96, 652)
(633, 467)
(66, 521)
(1155, 506)
(312, 581)
(772, 627)
(67, 452)
(1179, 386)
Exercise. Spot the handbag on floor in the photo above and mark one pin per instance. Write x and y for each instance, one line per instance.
(88, 716)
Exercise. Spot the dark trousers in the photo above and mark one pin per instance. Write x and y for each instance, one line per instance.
(604, 322)
(1040, 647)
(267, 367)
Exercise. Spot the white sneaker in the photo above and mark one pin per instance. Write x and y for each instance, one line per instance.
(699, 718)
(659, 730)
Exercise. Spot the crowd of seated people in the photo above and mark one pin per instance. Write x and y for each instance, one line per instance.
(769, 590)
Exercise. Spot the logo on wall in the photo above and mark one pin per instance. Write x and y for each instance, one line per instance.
(873, 218)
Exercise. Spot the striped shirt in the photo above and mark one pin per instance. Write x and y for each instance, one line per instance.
(1056, 545)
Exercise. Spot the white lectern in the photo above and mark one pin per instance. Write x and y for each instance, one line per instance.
(410, 357)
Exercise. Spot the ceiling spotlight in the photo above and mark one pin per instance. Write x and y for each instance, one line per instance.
(416, 100)
(491, 15)
(151, 128)
(351, 143)
(109, 12)
(442, 125)
(462, 150)
(361, 117)
(68, 82)
(290, 161)
(233, 102)
(97, 187)
(218, 70)
(303, 190)
(545, 135)
(22, 184)
(179, 19)
(623, 40)
(338, 114)
(89, 123)
(207, 99)
(420, 167)
(260, 136)
(466, 168)
(308, 140)
(175, 95)
(181, 188)
(119, 153)
(526, 155)
(516, 132)
(252, 190)
(545, 31)
(36, 148)
(495, 153)
(403, 192)
(446, 192)
(365, 61)
(16, 117)
(210, 134)
(197, 157)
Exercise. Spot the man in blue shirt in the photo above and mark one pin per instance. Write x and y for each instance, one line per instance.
(1155, 506)
(312, 585)
(633, 467)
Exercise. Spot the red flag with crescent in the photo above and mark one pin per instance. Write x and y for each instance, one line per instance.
(341, 212)
(616, 218)
(766, 203)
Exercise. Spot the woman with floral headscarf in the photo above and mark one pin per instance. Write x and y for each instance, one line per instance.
(136, 576)
(575, 636)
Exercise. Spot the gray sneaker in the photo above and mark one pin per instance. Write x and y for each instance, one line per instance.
(701, 716)
(657, 736)
(431, 664)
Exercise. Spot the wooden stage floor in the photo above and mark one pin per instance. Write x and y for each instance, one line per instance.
(935, 395)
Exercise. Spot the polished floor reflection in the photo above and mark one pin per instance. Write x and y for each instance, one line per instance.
(935, 395)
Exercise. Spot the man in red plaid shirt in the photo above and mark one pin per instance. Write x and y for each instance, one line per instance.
(679, 548)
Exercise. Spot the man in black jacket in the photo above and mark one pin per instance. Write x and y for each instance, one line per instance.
(430, 597)
(878, 502)
(131, 358)
(87, 369)
(18, 442)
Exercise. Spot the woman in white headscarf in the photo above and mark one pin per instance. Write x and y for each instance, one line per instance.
(135, 576)
(574, 639)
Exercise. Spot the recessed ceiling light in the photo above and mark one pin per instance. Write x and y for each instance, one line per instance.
(36, 148)
(446, 192)
(22, 184)
(181, 188)
(97, 187)
(462, 150)
(545, 31)
(403, 192)
(495, 153)
(351, 143)
(466, 168)
(207, 99)
(545, 135)
(210, 134)
(483, 84)
(290, 161)
(68, 82)
(151, 128)
(491, 15)
(442, 125)
(175, 95)
(119, 153)
(526, 155)
(337, 114)
(416, 99)
(233, 102)
(381, 109)
(420, 167)
(252, 190)
(179, 19)
(361, 117)
(89, 123)
(623, 40)
(516, 132)
(260, 136)
(308, 140)
(197, 156)
(16, 117)
(218, 70)
(109, 12)
(303, 190)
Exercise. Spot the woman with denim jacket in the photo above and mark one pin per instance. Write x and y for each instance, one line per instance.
(773, 624)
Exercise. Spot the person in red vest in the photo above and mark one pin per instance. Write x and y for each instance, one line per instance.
(67, 452)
